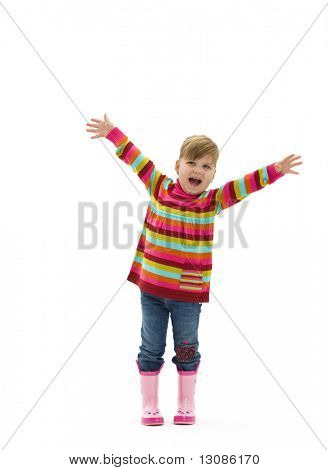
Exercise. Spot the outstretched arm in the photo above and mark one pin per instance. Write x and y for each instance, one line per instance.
(236, 190)
(127, 152)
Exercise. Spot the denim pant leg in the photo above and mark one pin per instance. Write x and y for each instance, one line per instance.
(185, 322)
(155, 318)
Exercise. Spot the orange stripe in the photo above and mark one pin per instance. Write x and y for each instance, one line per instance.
(162, 278)
(248, 183)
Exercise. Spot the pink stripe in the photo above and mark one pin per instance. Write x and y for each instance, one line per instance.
(146, 176)
(183, 258)
(201, 203)
(180, 259)
(273, 173)
(128, 156)
(252, 182)
(116, 136)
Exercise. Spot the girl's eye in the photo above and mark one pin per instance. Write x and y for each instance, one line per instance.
(204, 165)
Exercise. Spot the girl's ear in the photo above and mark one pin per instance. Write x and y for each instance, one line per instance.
(177, 166)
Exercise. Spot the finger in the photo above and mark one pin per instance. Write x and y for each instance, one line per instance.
(95, 136)
(295, 172)
(106, 117)
(298, 163)
(295, 158)
(92, 130)
(92, 125)
(96, 120)
(290, 156)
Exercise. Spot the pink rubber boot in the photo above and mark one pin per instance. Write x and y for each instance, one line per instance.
(151, 416)
(186, 393)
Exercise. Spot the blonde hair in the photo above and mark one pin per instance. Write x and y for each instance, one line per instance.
(196, 146)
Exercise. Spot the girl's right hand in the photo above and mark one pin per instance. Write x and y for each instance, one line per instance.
(101, 128)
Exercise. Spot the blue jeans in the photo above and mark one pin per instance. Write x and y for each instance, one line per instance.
(185, 320)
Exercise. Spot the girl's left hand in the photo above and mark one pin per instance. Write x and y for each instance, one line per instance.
(287, 163)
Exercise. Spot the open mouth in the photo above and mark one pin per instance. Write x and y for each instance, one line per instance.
(194, 181)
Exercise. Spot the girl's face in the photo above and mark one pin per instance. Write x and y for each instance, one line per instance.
(202, 169)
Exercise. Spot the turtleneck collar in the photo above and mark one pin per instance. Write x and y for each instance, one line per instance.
(181, 192)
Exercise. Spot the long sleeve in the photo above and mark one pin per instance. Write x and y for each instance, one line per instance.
(132, 156)
(236, 190)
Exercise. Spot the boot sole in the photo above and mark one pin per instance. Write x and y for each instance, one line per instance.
(185, 420)
(152, 421)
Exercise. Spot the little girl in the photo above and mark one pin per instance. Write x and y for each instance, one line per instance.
(173, 261)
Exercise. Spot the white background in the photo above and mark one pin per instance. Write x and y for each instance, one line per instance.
(162, 71)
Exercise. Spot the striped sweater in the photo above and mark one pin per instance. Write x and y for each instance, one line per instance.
(173, 258)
